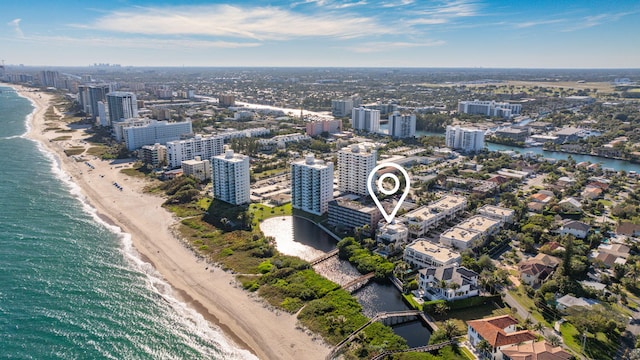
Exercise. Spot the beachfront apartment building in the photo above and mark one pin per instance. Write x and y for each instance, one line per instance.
(489, 108)
(465, 139)
(470, 233)
(154, 131)
(355, 162)
(392, 235)
(425, 218)
(402, 126)
(155, 154)
(198, 168)
(311, 185)
(422, 253)
(121, 105)
(231, 179)
(90, 95)
(205, 147)
(364, 119)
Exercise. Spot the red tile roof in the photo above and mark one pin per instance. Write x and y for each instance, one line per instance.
(536, 351)
(492, 330)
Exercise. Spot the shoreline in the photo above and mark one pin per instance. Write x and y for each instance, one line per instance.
(243, 318)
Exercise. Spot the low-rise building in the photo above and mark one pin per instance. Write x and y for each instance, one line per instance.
(497, 212)
(350, 212)
(422, 253)
(570, 205)
(396, 234)
(425, 218)
(155, 154)
(515, 134)
(461, 283)
(568, 301)
(471, 232)
(198, 168)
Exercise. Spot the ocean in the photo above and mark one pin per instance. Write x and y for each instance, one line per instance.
(71, 285)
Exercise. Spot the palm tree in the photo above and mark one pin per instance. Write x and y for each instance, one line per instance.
(484, 348)
(538, 327)
(450, 329)
(554, 340)
(441, 308)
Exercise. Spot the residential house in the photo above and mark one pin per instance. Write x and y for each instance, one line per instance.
(540, 350)
(628, 229)
(535, 271)
(565, 182)
(611, 254)
(568, 301)
(500, 332)
(575, 228)
(461, 282)
(570, 205)
(503, 214)
(591, 192)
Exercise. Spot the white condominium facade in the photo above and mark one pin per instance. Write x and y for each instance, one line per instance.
(204, 146)
(355, 162)
(422, 253)
(311, 185)
(425, 218)
(154, 132)
(365, 119)
(341, 108)
(402, 126)
(489, 108)
(231, 178)
(468, 140)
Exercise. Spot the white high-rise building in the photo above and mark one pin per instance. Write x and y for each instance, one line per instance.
(468, 140)
(231, 178)
(122, 105)
(341, 108)
(355, 162)
(204, 146)
(365, 119)
(140, 133)
(402, 126)
(311, 185)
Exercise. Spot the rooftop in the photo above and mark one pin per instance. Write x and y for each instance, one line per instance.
(435, 251)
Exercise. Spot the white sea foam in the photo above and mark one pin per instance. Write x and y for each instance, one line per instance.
(191, 319)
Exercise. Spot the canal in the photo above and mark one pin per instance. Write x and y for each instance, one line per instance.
(300, 237)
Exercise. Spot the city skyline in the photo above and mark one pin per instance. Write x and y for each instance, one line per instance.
(393, 33)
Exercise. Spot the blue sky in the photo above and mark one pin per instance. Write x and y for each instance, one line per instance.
(387, 33)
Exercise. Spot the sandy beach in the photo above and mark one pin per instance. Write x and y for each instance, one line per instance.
(245, 320)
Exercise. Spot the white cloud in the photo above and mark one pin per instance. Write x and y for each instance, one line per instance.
(398, 4)
(595, 20)
(428, 21)
(140, 42)
(383, 46)
(15, 23)
(260, 23)
(529, 24)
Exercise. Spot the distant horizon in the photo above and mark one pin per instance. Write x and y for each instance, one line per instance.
(120, 66)
(546, 34)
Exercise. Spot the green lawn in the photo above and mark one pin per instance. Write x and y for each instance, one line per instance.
(268, 173)
(261, 212)
(461, 316)
(528, 304)
(601, 346)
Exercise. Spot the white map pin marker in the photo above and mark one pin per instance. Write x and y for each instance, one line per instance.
(396, 187)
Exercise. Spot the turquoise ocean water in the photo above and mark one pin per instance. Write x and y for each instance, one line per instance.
(71, 287)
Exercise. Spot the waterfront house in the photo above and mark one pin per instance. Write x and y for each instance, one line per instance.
(500, 332)
(451, 282)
